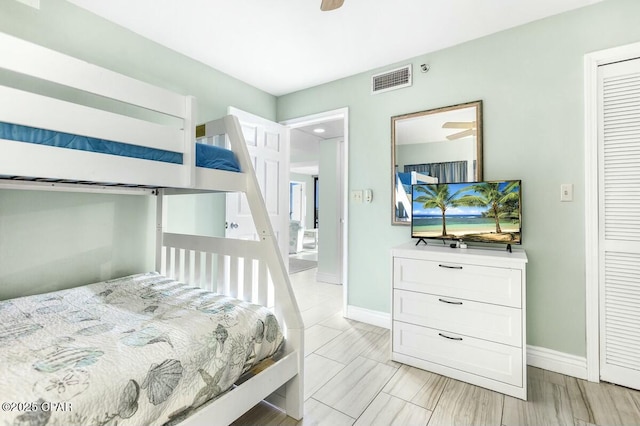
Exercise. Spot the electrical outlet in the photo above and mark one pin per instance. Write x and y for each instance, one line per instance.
(566, 192)
(356, 195)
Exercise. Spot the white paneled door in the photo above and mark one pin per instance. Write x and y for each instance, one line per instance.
(619, 221)
(268, 145)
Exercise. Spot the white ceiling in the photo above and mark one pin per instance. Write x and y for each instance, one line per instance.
(282, 46)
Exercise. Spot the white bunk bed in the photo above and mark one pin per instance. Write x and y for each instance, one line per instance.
(253, 271)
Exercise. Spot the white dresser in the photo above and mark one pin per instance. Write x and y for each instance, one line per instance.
(462, 313)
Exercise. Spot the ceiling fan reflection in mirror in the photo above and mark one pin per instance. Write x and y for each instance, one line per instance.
(327, 5)
(469, 126)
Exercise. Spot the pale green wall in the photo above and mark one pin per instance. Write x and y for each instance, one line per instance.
(531, 82)
(329, 252)
(114, 250)
(54, 240)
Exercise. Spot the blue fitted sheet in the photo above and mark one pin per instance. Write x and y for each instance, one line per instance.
(208, 156)
(405, 178)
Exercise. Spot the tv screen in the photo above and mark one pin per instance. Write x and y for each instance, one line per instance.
(487, 212)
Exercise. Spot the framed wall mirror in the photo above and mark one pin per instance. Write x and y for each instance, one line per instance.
(442, 145)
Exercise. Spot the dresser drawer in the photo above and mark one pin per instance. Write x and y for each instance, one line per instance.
(501, 286)
(487, 359)
(481, 320)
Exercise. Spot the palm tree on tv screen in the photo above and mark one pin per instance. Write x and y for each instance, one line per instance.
(438, 196)
(502, 203)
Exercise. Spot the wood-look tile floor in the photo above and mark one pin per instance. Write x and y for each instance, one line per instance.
(350, 380)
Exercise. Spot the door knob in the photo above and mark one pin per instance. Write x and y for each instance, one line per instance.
(234, 225)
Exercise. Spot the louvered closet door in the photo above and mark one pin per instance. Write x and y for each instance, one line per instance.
(619, 195)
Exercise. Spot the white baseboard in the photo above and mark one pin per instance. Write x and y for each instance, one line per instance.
(560, 362)
(328, 278)
(377, 318)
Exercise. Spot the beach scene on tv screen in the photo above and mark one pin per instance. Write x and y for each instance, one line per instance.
(476, 211)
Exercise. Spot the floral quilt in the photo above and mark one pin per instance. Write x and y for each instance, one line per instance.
(138, 350)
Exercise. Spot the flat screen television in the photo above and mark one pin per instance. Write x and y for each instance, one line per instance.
(486, 212)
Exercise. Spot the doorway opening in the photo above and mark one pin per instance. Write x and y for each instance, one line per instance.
(319, 157)
(303, 238)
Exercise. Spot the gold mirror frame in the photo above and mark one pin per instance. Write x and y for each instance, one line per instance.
(455, 135)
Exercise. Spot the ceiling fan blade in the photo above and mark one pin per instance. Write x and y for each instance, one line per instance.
(462, 134)
(330, 5)
(459, 125)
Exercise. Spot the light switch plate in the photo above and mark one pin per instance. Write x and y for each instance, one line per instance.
(566, 192)
(356, 195)
(368, 195)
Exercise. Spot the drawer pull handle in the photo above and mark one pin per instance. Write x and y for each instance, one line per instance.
(448, 337)
(449, 266)
(450, 302)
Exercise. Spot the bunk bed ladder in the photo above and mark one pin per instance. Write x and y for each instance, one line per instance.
(294, 392)
(249, 270)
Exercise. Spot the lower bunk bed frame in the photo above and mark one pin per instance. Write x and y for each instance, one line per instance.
(253, 271)
(240, 269)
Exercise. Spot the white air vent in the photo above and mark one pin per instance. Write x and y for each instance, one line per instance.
(391, 80)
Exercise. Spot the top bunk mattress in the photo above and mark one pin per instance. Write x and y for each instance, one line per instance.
(143, 349)
(207, 156)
